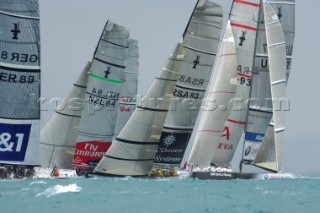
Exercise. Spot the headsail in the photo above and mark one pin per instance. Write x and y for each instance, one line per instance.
(128, 95)
(133, 151)
(60, 133)
(260, 111)
(106, 77)
(222, 89)
(244, 21)
(271, 159)
(201, 44)
(19, 82)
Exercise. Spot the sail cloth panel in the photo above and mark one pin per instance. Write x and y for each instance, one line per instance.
(102, 96)
(260, 111)
(128, 96)
(277, 65)
(133, 152)
(200, 46)
(19, 82)
(244, 21)
(222, 89)
(59, 135)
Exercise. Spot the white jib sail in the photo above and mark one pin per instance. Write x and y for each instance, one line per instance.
(19, 82)
(106, 78)
(132, 152)
(59, 135)
(278, 78)
(244, 21)
(128, 95)
(216, 112)
(260, 111)
(201, 43)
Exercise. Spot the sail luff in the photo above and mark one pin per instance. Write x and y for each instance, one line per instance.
(20, 82)
(278, 78)
(132, 152)
(222, 89)
(58, 136)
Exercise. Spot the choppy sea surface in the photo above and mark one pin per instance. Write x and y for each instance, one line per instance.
(91, 195)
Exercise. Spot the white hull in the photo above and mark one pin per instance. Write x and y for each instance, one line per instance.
(64, 173)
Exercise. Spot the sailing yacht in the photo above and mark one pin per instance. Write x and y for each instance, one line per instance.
(269, 156)
(133, 152)
(20, 87)
(104, 76)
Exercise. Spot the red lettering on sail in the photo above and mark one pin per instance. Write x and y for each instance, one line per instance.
(225, 146)
(226, 130)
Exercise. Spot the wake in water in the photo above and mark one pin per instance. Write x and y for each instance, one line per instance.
(59, 189)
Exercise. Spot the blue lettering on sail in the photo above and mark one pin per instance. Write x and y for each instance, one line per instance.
(14, 140)
(256, 137)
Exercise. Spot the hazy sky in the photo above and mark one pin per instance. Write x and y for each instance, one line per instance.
(70, 30)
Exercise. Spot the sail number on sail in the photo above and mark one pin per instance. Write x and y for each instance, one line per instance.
(98, 96)
(19, 57)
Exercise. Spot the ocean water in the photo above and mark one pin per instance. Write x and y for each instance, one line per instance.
(82, 195)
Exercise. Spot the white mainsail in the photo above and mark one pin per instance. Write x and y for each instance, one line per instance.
(19, 82)
(222, 89)
(271, 159)
(260, 111)
(106, 77)
(128, 95)
(60, 133)
(244, 21)
(133, 151)
(201, 48)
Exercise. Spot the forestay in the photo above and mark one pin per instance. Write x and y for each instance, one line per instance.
(19, 82)
(200, 46)
(59, 135)
(271, 158)
(216, 112)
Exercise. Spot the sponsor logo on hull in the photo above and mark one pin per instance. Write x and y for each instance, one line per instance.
(89, 153)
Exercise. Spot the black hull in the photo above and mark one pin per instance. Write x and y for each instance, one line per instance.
(236, 175)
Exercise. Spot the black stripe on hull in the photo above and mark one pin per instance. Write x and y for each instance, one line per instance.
(80, 86)
(188, 88)
(136, 142)
(20, 69)
(74, 116)
(164, 79)
(154, 110)
(105, 62)
(259, 110)
(114, 43)
(133, 160)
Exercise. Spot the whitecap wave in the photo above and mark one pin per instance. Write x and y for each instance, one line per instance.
(59, 189)
(38, 182)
